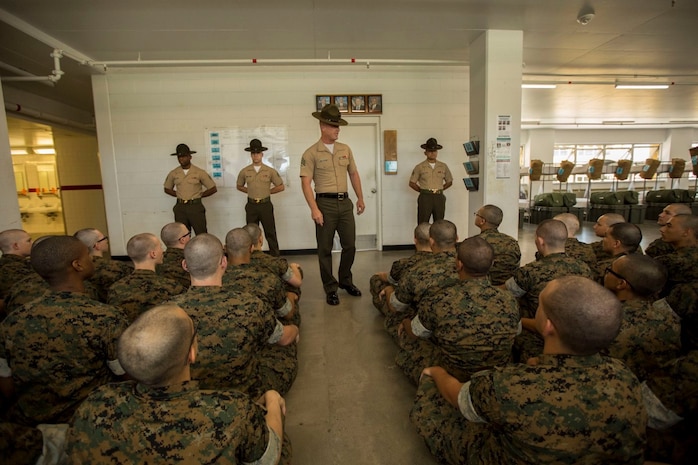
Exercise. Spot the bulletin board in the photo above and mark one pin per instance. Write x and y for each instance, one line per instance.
(226, 155)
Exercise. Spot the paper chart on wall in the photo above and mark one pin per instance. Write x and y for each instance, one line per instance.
(502, 157)
(226, 155)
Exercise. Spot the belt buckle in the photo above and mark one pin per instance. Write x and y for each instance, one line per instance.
(341, 196)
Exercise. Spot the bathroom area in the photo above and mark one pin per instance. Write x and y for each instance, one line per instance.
(57, 178)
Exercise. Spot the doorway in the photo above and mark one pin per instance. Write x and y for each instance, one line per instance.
(362, 136)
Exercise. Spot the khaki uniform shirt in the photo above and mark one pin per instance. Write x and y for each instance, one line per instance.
(431, 178)
(188, 186)
(258, 183)
(328, 171)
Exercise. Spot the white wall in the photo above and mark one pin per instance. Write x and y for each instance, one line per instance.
(143, 114)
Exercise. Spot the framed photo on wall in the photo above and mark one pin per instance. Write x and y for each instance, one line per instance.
(321, 101)
(358, 103)
(351, 103)
(375, 104)
(342, 102)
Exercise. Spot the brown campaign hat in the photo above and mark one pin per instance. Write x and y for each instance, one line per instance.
(182, 150)
(256, 146)
(330, 115)
(431, 144)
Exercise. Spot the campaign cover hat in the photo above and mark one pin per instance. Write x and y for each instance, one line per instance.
(182, 150)
(431, 144)
(255, 146)
(330, 115)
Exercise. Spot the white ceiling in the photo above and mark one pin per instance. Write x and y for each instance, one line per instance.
(627, 39)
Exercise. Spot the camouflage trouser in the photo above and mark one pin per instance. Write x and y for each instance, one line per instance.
(278, 367)
(447, 434)
(20, 444)
(393, 320)
(376, 285)
(415, 355)
(286, 449)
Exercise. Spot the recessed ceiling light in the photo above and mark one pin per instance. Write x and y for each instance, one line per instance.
(538, 86)
(642, 85)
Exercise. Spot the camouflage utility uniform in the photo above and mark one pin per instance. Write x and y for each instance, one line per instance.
(107, 272)
(278, 365)
(580, 251)
(674, 388)
(142, 290)
(527, 284)
(418, 285)
(278, 266)
(566, 409)
(468, 327)
(59, 348)
(507, 255)
(650, 336)
(134, 423)
(171, 267)
(658, 247)
(683, 299)
(397, 270)
(231, 330)
(12, 269)
(681, 267)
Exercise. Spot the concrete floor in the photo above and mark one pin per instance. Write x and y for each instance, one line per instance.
(350, 404)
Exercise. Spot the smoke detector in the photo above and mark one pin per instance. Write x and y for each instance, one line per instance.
(586, 14)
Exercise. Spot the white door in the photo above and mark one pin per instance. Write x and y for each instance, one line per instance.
(362, 135)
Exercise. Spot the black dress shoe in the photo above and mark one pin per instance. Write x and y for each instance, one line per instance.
(351, 290)
(332, 298)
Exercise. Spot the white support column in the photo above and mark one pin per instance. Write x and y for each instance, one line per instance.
(107, 155)
(9, 206)
(495, 96)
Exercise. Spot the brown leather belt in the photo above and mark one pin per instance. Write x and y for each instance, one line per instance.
(189, 201)
(431, 191)
(264, 200)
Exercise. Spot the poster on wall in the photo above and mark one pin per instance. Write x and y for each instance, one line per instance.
(502, 147)
(226, 155)
(502, 157)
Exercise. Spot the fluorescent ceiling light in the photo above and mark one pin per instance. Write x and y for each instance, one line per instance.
(18, 151)
(49, 151)
(538, 86)
(640, 85)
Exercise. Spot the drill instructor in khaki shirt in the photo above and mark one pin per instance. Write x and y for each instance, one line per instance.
(189, 184)
(256, 180)
(326, 164)
(431, 178)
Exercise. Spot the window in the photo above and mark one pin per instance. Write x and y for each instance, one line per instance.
(581, 154)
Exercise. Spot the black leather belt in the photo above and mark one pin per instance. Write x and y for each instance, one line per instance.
(431, 191)
(264, 200)
(338, 195)
(189, 201)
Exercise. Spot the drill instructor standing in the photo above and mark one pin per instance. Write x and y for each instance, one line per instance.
(326, 164)
(256, 180)
(189, 184)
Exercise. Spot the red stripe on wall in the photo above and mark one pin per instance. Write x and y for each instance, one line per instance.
(88, 187)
